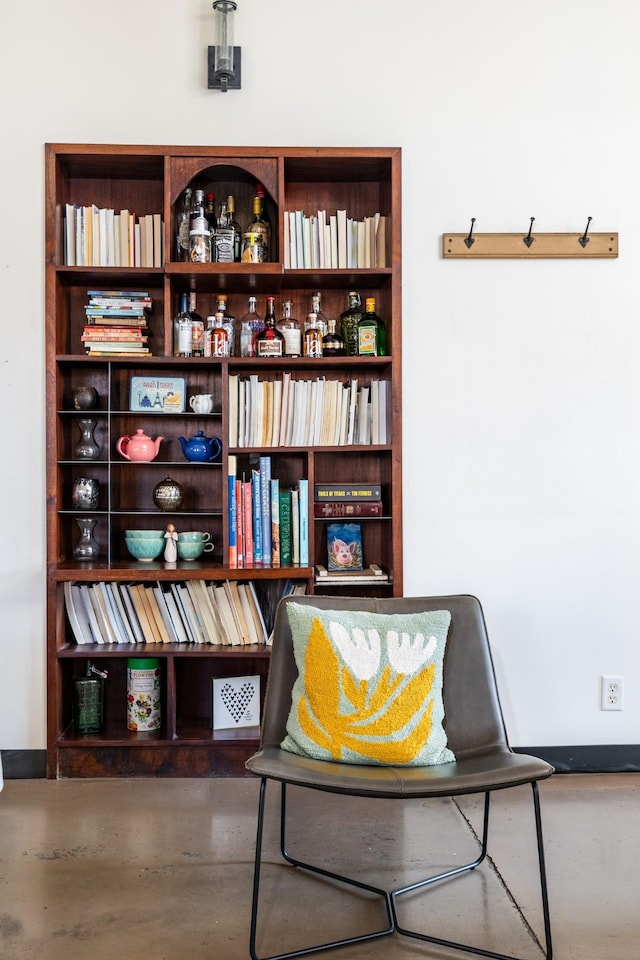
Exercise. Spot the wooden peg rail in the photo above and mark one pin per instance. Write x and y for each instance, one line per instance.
(512, 246)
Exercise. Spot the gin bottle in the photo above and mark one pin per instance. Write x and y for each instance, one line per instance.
(250, 326)
(349, 324)
(182, 329)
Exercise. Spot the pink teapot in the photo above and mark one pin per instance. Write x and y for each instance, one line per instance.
(139, 447)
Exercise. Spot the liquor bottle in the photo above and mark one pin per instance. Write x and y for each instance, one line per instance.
(224, 239)
(290, 329)
(349, 324)
(332, 342)
(261, 226)
(312, 339)
(269, 342)
(233, 224)
(371, 332)
(210, 210)
(183, 226)
(197, 328)
(250, 325)
(182, 327)
(218, 341)
(197, 213)
(317, 309)
(228, 322)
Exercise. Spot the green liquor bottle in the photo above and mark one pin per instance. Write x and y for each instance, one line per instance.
(372, 341)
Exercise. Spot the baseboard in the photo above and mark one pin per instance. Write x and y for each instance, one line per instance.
(592, 758)
(24, 764)
(608, 758)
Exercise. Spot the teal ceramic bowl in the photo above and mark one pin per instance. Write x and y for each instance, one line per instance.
(144, 549)
(144, 534)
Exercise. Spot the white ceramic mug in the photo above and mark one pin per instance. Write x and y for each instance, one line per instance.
(201, 403)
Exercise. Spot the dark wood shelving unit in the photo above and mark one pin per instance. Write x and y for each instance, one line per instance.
(151, 179)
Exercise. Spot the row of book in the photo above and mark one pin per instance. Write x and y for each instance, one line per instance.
(289, 412)
(225, 613)
(334, 241)
(117, 323)
(100, 237)
(268, 523)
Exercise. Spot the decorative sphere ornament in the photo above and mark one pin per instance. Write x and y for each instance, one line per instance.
(168, 495)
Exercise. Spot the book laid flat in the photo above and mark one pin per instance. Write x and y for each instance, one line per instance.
(347, 491)
(371, 574)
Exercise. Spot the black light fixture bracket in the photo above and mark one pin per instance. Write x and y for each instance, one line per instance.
(224, 83)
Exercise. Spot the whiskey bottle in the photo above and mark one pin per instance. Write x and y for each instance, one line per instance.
(312, 339)
(182, 325)
(233, 224)
(349, 324)
(228, 322)
(260, 226)
(197, 328)
(332, 342)
(317, 309)
(223, 240)
(371, 332)
(183, 226)
(250, 325)
(217, 337)
(269, 342)
(289, 327)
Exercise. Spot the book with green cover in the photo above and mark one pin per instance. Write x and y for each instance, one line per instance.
(286, 535)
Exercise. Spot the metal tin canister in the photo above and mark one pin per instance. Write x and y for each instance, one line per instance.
(143, 693)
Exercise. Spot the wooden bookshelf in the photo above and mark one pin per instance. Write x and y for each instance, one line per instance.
(151, 179)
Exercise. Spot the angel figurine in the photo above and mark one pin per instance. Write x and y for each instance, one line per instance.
(170, 549)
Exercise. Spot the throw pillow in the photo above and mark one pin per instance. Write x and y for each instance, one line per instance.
(369, 686)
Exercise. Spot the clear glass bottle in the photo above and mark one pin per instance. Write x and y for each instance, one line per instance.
(197, 328)
(290, 329)
(88, 699)
(183, 226)
(182, 339)
(312, 338)
(349, 321)
(317, 309)
(261, 226)
(250, 325)
(228, 322)
(233, 224)
(197, 213)
(371, 332)
(269, 342)
(332, 342)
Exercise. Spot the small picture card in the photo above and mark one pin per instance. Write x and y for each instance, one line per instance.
(157, 394)
(344, 546)
(236, 702)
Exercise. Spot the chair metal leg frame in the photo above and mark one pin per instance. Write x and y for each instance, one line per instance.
(450, 873)
(314, 869)
(391, 897)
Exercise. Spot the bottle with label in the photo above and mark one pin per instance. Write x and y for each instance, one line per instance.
(182, 329)
(317, 309)
(371, 332)
(210, 211)
(197, 328)
(250, 326)
(216, 339)
(332, 342)
(349, 321)
(224, 238)
(290, 329)
(183, 226)
(312, 339)
(261, 226)
(198, 214)
(269, 342)
(233, 224)
(228, 322)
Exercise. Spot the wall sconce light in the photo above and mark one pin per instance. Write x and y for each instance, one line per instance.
(224, 59)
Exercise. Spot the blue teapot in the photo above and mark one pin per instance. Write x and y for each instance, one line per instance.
(201, 449)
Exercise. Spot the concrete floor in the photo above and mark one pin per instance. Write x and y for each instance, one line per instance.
(162, 869)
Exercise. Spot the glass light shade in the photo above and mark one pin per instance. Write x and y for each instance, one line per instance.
(223, 63)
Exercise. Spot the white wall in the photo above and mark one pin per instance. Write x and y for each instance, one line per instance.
(521, 388)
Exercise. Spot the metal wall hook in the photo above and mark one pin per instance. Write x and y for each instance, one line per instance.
(528, 240)
(584, 239)
(469, 241)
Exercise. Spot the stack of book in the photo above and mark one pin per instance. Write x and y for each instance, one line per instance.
(101, 237)
(197, 611)
(268, 524)
(117, 323)
(334, 241)
(347, 500)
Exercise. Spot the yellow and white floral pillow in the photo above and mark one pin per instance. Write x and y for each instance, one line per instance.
(369, 686)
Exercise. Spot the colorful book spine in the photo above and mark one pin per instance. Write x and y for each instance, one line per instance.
(257, 517)
(265, 504)
(347, 491)
(247, 517)
(286, 541)
(275, 522)
(303, 496)
(295, 526)
(239, 525)
(232, 513)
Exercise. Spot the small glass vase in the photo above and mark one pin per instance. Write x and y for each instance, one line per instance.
(87, 448)
(87, 547)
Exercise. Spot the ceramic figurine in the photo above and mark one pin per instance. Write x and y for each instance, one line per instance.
(171, 549)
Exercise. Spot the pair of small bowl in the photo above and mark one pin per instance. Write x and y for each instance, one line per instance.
(144, 544)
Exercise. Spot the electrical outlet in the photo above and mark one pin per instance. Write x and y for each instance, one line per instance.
(611, 693)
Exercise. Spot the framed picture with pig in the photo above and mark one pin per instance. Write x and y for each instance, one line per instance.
(344, 546)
